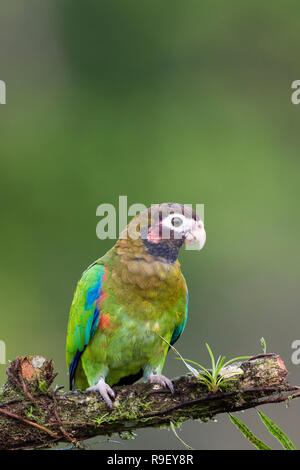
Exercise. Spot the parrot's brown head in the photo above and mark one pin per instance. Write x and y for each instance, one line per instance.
(164, 228)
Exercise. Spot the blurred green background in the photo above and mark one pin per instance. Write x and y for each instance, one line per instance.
(160, 101)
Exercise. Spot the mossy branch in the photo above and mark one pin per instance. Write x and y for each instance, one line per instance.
(32, 414)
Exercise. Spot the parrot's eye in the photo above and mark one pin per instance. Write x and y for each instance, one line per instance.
(176, 221)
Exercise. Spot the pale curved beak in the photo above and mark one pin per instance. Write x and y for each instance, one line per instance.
(196, 236)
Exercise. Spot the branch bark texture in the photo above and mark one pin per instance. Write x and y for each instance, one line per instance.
(33, 415)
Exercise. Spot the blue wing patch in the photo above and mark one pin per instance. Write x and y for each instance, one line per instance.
(179, 329)
(83, 333)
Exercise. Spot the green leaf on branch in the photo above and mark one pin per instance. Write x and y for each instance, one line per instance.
(276, 432)
(248, 434)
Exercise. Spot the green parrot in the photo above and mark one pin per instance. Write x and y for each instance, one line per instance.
(129, 304)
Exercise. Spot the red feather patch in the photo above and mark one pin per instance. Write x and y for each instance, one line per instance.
(104, 322)
(154, 236)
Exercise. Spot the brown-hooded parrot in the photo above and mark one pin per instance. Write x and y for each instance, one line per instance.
(129, 304)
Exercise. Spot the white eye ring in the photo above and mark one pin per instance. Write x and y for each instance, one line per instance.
(184, 224)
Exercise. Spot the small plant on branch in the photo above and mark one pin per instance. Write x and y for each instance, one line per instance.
(263, 345)
(219, 374)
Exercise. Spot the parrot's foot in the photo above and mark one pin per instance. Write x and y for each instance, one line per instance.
(161, 380)
(105, 391)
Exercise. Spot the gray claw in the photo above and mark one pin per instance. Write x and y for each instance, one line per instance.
(105, 391)
(161, 380)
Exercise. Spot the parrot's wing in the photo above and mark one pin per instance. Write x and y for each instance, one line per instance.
(179, 328)
(84, 315)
